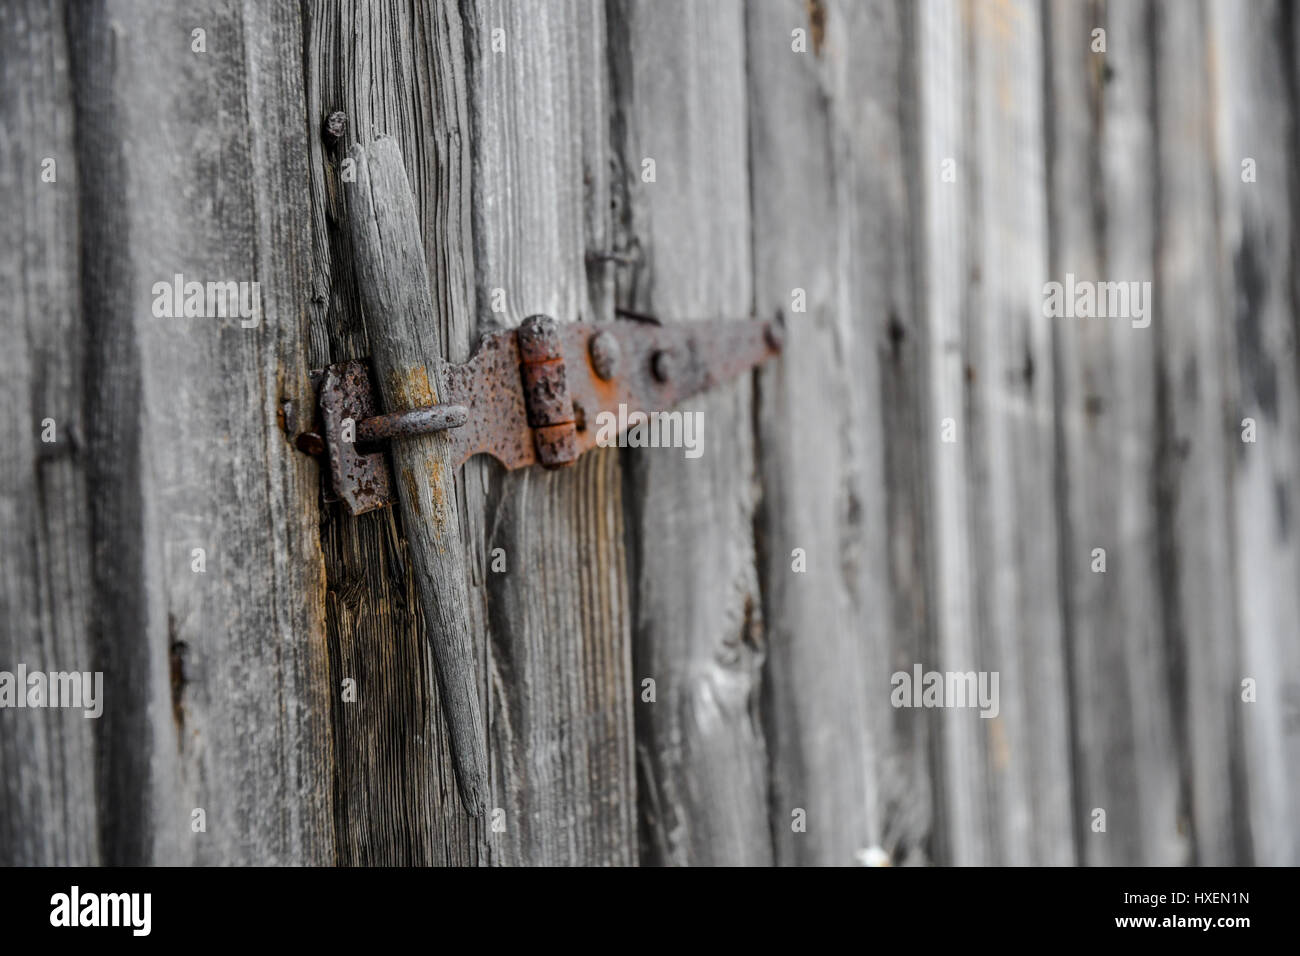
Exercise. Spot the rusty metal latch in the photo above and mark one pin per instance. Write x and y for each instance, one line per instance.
(530, 395)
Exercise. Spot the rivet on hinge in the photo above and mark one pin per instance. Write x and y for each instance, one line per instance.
(604, 355)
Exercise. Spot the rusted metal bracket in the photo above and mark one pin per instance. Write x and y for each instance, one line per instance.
(531, 395)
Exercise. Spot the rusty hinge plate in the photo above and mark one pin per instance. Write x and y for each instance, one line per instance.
(531, 395)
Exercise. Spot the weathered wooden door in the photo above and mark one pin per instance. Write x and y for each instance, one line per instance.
(680, 660)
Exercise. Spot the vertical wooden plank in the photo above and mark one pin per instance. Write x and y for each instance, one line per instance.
(959, 767)
(1012, 445)
(1006, 779)
(1128, 759)
(399, 70)
(1199, 437)
(681, 102)
(48, 813)
(883, 271)
(816, 665)
(1251, 57)
(560, 687)
(191, 163)
(837, 421)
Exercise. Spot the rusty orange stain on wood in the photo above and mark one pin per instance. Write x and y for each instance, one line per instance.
(412, 489)
(411, 388)
(1000, 746)
(1001, 25)
(437, 497)
(817, 24)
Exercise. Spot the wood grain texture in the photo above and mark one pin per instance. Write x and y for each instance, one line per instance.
(394, 69)
(522, 130)
(1128, 758)
(944, 108)
(213, 679)
(1254, 90)
(560, 686)
(1198, 435)
(836, 420)
(48, 811)
(1006, 780)
(816, 620)
(1011, 403)
(680, 92)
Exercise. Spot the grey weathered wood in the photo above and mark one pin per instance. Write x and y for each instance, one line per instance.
(397, 70)
(1006, 780)
(1256, 233)
(215, 683)
(943, 108)
(775, 170)
(406, 360)
(877, 117)
(48, 811)
(837, 419)
(1128, 761)
(1011, 392)
(1198, 436)
(558, 621)
(680, 97)
(815, 620)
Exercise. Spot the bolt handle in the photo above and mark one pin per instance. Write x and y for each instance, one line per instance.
(402, 324)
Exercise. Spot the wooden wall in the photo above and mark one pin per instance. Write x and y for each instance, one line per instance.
(216, 682)
(897, 192)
